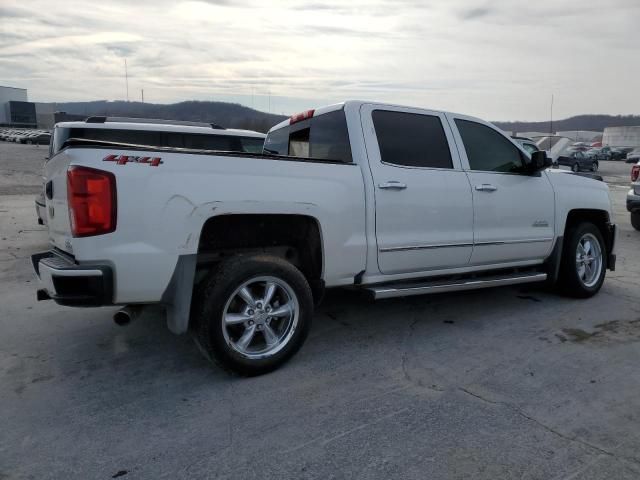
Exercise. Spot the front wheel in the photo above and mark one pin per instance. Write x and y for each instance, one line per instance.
(635, 220)
(253, 313)
(584, 261)
(575, 167)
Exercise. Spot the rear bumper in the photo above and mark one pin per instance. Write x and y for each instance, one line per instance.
(633, 201)
(71, 284)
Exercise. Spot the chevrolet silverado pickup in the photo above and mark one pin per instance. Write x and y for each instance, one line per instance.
(239, 247)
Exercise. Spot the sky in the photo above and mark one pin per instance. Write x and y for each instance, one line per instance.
(498, 59)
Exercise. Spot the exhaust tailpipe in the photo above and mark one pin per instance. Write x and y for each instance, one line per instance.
(125, 315)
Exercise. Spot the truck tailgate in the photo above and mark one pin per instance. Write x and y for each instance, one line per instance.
(57, 210)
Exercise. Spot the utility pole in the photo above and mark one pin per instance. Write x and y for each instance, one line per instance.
(142, 94)
(126, 78)
(551, 122)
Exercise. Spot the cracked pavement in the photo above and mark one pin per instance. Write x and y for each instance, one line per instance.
(494, 384)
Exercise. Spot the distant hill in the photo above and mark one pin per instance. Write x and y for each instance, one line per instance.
(595, 123)
(233, 115)
(230, 115)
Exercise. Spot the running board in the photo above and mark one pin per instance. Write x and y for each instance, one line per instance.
(408, 289)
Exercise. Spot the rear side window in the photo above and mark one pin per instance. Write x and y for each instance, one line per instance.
(411, 140)
(487, 150)
(324, 137)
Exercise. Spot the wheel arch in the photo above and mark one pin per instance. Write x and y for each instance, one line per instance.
(600, 218)
(233, 233)
(230, 234)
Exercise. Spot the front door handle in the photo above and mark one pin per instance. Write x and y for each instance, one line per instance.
(485, 187)
(392, 185)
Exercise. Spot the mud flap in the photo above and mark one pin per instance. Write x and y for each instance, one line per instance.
(177, 297)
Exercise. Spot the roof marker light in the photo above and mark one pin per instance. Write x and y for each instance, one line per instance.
(298, 117)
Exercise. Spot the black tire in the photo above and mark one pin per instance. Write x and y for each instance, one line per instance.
(570, 282)
(575, 167)
(594, 167)
(635, 220)
(220, 289)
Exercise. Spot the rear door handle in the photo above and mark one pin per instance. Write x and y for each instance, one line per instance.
(485, 187)
(392, 185)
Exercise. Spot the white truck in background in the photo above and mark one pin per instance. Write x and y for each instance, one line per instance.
(151, 132)
(388, 199)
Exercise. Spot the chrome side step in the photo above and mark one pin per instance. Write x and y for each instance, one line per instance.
(435, 286)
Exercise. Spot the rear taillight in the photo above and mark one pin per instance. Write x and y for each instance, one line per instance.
(635, 172)
(92, 201)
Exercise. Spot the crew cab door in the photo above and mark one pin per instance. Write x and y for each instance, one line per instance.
(423, 202)
(514, 211)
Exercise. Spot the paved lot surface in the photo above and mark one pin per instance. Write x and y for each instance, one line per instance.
(496, 384)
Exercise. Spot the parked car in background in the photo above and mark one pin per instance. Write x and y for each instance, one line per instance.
(612, 153)
(593, 153)
(633, 196)
(36, 138)
(16, 136)
(633, 156)
(580, 147)
(6, 133)
(578, 161)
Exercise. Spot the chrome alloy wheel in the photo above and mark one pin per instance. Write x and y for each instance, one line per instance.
(589, 260)
(260, 317)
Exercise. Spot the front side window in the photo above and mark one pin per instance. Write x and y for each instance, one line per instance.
(412, 140)
(487, 150)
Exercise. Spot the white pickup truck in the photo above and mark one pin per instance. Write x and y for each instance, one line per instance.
(239, 247)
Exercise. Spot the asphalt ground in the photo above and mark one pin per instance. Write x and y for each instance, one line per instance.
(505, 383)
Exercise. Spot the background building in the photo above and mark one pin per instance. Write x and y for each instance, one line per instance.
(621, 136)
(586, 136)
(532, 134)
(15, 109)
(45, 115)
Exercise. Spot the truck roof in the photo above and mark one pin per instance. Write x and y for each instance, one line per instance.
(163, 127)
(356, 104)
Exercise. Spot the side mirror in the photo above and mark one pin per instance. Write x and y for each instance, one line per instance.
(539, 161)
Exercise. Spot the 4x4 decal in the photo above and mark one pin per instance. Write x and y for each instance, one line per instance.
(124, 159)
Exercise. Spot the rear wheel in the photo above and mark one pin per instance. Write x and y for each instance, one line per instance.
(635, 220)
(584, 261)
(575, 167)
(253, 313)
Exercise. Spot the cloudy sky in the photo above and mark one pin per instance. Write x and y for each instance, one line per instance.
(498, 59)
